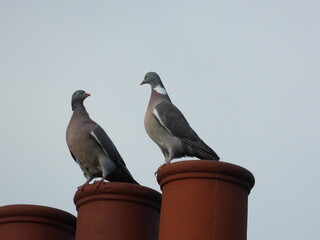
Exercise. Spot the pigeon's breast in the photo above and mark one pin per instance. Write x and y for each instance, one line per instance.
(160, 135)
(85, 149)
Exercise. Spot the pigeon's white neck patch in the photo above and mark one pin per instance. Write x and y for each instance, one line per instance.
(160, 90)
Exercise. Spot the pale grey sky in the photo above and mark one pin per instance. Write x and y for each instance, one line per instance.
(244, 73)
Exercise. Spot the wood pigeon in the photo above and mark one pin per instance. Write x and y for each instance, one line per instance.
(91, 147)
(168, 128)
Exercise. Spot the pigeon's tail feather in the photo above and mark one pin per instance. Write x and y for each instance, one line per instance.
(122, 174)
(201, 150)
(205, 156)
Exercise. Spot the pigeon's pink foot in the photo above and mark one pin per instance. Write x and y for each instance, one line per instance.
(100, 182)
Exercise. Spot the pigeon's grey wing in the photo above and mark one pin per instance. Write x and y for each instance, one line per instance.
(171, 118)
(106, 144)
(173, 121)
(109, 148)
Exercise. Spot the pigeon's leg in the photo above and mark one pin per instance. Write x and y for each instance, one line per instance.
(169, 157)
(159, 168)
(107, 167)
(101, 181)
(167, 160)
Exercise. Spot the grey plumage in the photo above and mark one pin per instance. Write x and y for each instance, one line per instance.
(91, 147)
(168, 128)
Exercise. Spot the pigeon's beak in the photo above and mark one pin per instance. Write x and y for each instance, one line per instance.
(87, 94)
(143, 82)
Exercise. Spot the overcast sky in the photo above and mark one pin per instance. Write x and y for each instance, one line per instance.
(244, 73)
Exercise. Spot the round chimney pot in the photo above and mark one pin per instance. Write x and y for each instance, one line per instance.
(116, 211)
(204, 199)
(25, 222)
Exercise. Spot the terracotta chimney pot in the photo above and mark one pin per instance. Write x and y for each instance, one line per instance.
(33, 222)
(204, 200)
(117, 211)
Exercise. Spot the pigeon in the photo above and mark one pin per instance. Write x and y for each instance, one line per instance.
(91, 147)
(168, 128)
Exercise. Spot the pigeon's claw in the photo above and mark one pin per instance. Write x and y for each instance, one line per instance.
(100, 182)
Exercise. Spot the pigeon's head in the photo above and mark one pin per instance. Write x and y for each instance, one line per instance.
(78, 97)
(153, 79)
